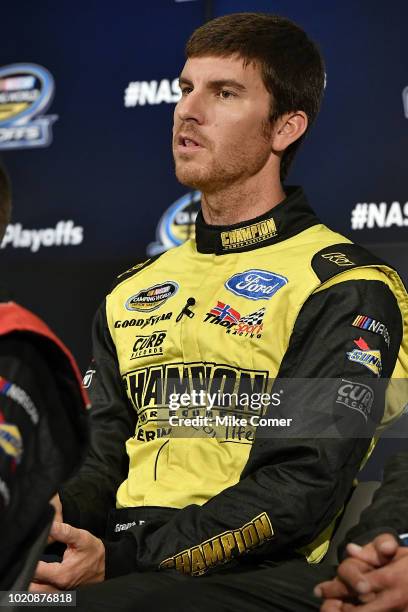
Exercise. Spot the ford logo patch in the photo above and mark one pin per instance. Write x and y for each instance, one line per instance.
(256, 284)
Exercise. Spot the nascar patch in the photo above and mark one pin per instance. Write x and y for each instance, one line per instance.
(371, 359)
(371, 325)
(151, 298)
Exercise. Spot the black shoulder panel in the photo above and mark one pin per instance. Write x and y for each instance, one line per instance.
(337, 258)
(133, 270)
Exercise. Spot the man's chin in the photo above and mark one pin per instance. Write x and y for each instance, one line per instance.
(191, 177)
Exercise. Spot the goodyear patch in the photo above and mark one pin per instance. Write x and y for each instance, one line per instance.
(251, 234)
(222, 548)
(152, 298)
(371, 359)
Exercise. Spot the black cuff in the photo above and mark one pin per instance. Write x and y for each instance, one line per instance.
(70, 510)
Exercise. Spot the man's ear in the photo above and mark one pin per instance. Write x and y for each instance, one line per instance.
(288, 128)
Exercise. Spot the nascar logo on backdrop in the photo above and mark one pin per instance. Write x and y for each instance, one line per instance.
(177, 224)
(26, 90)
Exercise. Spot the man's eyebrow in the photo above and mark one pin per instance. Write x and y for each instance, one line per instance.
(217, 84)
(184, 81)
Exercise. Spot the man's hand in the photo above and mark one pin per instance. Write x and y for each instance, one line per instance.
(56, 502)
(83, 561)
(341, 588)
(369, 577)
(388, 589)
(58, 518)
(377, 553)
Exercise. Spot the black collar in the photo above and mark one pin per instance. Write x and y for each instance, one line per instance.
(288, 218)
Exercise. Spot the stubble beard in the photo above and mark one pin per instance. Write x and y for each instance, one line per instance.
(217, 174)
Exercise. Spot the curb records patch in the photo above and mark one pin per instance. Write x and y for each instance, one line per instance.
(151, 298)
(356, 396)
(256, 284)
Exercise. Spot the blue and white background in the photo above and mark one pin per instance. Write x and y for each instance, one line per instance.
(92, 172)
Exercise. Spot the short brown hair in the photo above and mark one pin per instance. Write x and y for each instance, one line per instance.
(291, 65)
(5, 201)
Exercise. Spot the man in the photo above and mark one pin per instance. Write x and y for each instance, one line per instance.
(42, 425)
(264, 292)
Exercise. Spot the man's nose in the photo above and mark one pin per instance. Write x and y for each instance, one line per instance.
(191, 108)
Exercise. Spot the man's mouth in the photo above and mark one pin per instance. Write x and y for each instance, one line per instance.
(186, 142)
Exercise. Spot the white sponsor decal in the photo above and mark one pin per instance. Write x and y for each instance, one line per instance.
(369, 215)
(141, 93)
(356, 396)
(4, 492)
(86, 383)
(124, 526)
(65, 233)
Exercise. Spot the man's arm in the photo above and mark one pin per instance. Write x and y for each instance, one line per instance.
(388, 512)
(39, 443)
(375, 565)
(88, 497)
(292, 487)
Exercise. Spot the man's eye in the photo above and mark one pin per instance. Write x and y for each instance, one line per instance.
(225, 94)
(185, 90)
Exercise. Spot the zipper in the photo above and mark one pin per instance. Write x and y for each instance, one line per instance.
(157, 457)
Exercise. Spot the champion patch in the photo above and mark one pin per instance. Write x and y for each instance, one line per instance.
(256, 284)
(151, 298)
(371, 359)
(371, 325)
(251, 234)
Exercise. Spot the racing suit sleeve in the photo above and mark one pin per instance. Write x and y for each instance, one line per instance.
(293, 487)
(388, 512)
(39, 447)
(90, 495)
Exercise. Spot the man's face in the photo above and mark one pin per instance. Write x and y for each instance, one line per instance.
(221, 132)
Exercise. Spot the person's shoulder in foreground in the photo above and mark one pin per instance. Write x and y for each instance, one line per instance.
(42, 422)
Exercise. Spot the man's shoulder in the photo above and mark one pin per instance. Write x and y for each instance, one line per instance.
(133, 271)
(343, 255)
(166, 259)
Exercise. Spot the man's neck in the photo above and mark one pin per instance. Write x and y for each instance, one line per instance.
(237, 203)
